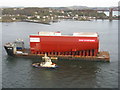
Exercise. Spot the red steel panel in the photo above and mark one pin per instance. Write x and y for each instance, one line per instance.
(64, 43)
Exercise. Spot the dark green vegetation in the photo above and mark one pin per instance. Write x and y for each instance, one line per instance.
(48, 14)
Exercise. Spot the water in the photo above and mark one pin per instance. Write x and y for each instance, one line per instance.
(18, 72)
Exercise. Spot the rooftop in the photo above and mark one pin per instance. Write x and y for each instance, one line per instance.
(81, 34)
(90, 34)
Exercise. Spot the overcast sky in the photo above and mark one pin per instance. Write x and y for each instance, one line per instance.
(57, 3)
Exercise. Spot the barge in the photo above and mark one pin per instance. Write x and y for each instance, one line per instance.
(79, 46)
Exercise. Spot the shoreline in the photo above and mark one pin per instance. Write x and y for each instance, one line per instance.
(48, 22)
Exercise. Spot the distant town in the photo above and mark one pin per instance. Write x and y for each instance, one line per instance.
(46, 15)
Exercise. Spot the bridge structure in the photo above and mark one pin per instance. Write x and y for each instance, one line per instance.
(110, 10)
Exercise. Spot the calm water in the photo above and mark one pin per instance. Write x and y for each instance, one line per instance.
(18, 72)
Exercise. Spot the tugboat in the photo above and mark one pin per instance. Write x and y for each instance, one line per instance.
(46, 64)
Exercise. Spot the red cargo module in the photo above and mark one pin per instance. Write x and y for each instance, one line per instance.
(53, 43)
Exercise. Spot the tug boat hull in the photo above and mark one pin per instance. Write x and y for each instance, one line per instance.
(37, 65)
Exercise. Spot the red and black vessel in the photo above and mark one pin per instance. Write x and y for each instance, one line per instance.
(79, 45)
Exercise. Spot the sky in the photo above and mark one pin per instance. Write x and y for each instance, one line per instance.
(58, 3)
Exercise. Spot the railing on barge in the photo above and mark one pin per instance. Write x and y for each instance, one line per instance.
(101, 56)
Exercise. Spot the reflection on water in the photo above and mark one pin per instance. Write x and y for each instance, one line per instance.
(18, 72)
